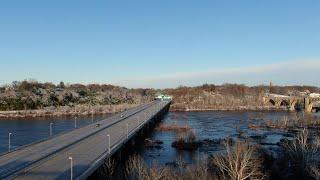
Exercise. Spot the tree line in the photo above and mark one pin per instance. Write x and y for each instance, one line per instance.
(31, 94)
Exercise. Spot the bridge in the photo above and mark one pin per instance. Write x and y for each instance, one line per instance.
(310, 102)
(77, 154)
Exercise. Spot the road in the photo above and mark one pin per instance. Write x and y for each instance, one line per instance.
(87, 146)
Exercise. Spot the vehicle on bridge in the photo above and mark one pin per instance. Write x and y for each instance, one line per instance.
(163, 97)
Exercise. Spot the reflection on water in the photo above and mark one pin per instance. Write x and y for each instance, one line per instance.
(26, 131)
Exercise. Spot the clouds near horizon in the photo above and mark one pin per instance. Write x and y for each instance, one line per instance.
(302, 72)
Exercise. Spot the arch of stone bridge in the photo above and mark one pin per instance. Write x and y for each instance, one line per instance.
(284, 103)
(272, 102)
(280, 102)
(293, 104)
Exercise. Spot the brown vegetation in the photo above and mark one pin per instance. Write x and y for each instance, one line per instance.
(79, 110)
(227, 96)
(287, 124)
(239, 163)
(304, 154)
(136, 169)
(188, 142)
(173, 127)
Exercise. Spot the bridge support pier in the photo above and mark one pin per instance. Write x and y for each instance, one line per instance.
(278, 104)
(292, 105)
(307, 105)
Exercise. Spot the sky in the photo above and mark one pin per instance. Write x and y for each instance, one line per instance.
(161, 43)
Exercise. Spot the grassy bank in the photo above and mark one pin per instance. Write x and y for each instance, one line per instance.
(80, 110)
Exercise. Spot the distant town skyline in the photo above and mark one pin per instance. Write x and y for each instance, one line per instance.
(161, 44)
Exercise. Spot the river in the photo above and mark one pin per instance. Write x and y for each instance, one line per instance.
(215, 125)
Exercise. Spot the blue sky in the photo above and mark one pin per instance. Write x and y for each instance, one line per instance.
(161, 43)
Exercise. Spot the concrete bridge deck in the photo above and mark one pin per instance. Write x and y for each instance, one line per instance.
(88, 147)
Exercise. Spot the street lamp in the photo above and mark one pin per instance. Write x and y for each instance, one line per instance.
(75, 122)
(9, 146)
(51, 129)
(92, 116)
(127, 130)
(109, 144)
(71, 167)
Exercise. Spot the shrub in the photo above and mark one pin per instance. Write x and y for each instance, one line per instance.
(238, 163)
(303, 154)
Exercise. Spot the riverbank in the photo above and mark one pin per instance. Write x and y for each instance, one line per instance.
(84, 110)
(238, 108)
(81, 110)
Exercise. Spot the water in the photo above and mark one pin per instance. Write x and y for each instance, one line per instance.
(214, 125)
(26, 131)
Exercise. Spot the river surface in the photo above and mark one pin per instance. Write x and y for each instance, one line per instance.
(216, 125)
(206, 125)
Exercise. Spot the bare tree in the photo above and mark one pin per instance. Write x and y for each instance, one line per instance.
(238, 163)
(303, 154)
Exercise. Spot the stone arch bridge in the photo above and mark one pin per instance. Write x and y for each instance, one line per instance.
(310, 103)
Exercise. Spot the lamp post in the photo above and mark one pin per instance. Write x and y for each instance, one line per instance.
(51, 129)
(9, 145)
(71, 167)
(75, 122)
(127, 130)
(92, 116)
(109, 144)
